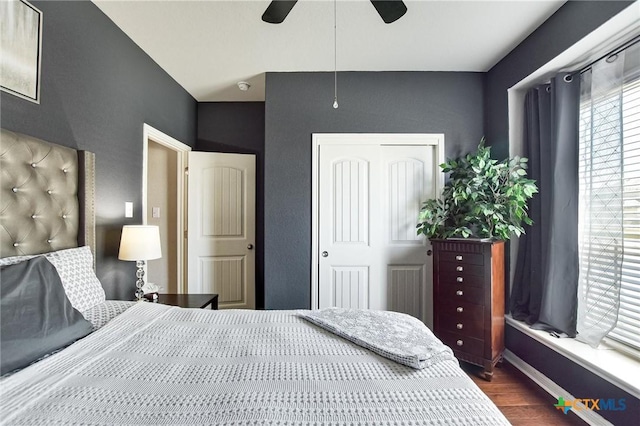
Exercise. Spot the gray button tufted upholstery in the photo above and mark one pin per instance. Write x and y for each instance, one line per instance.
(39, 207)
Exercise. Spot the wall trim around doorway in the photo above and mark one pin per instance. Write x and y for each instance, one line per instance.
(154, 135)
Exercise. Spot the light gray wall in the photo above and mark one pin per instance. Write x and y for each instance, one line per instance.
(98, 88)
(299, 104)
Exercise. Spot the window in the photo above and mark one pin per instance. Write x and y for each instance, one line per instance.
(610, 243)
(627, 329)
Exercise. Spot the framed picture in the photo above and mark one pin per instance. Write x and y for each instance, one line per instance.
(21, 40)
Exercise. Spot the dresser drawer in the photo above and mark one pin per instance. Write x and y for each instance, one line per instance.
(461, 310)
(460, 257)
(461, 343)
(462, 293)
(453, 278)
(462, 326)
(468, 289)
(461, 268)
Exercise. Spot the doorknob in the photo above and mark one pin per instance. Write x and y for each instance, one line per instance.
(250, 246)
(325, 254)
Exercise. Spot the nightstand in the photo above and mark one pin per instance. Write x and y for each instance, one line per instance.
(189, 300)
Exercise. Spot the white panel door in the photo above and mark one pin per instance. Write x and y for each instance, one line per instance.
(369, 197)
(348, 258)
(408, 180)
(221, 227)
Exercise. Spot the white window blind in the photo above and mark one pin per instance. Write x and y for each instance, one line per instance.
(618, 259)
(627, 329)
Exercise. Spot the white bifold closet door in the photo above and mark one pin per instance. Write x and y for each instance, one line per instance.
(369, 199)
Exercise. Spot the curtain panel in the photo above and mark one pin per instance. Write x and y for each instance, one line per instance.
(544, 292)
(601, 200)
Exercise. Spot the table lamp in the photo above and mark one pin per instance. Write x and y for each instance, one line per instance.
(140, 243)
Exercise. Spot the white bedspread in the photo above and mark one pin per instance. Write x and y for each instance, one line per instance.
(156, 364)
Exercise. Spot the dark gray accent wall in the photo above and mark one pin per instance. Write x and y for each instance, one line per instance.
(97, 89)
(238, 127)
(300, 104)
(573, 21)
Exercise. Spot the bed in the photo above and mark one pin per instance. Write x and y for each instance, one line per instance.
(147, 363)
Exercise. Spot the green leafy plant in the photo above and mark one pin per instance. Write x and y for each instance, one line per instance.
(484, 198)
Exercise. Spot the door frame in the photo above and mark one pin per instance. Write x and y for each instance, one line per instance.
(319, 139)
(156, 136)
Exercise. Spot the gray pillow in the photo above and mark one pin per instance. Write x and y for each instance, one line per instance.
(36, 317)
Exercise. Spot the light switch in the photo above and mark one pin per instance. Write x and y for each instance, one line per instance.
(128, 209)
(155, 212)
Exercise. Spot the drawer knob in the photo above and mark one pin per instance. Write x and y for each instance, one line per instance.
(459, 257)
(459, 293)
(459, 343)
(459, 326)
(459, 309)
(459, 279)
(459, 268)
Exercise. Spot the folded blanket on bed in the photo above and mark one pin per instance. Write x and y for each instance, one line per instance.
(399, 337)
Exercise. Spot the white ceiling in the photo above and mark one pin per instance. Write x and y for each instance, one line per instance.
(208, 46)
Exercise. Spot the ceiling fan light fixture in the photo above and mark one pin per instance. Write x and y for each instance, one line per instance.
(243, 85)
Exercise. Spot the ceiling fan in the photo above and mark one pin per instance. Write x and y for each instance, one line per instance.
(389, 10)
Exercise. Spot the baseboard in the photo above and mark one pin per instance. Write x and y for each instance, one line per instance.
(591, 417)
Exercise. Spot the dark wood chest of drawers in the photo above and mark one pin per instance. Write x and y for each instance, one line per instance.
(468, 299)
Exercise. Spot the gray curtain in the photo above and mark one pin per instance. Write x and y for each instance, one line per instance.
(544, 291)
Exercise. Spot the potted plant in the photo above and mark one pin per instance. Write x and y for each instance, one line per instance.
(484, 198)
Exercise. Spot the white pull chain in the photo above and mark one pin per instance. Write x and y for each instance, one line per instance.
(335, 55)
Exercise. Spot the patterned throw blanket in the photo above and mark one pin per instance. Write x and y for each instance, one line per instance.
(399, 337)
(161, 365)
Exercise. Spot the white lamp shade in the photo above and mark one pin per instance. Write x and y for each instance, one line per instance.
(140, 242)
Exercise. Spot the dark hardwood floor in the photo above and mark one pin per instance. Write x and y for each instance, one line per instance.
(522, 401)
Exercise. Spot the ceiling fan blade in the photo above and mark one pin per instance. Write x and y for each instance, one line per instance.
(277, 11)
(390, 10)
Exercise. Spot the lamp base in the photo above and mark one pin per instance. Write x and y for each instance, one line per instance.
(140, 281)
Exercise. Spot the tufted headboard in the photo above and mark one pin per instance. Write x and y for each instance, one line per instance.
(46, 196)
